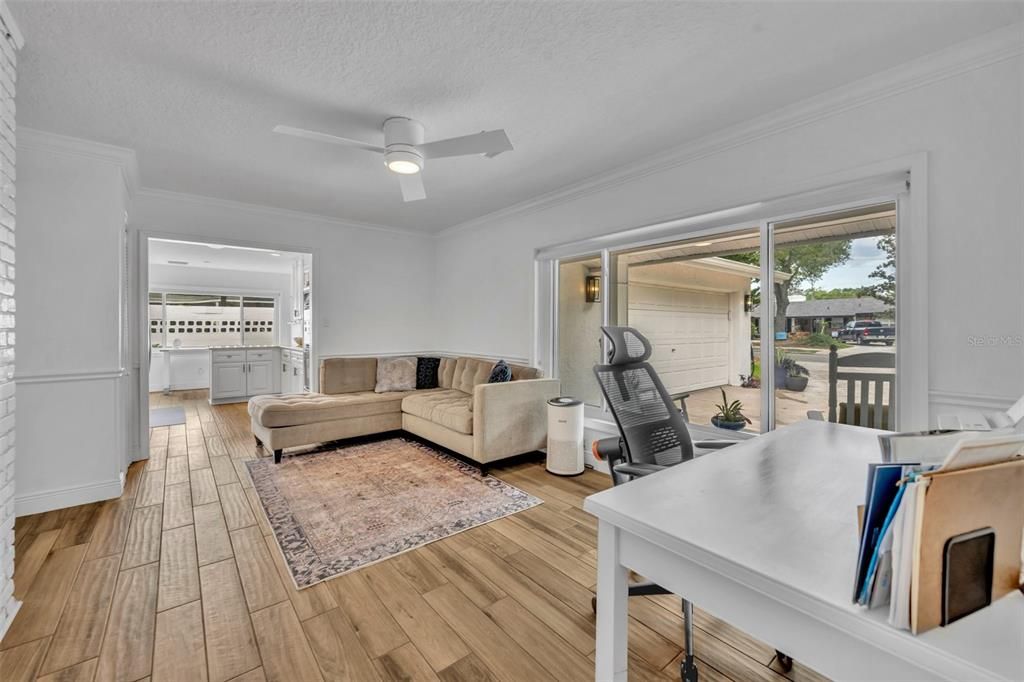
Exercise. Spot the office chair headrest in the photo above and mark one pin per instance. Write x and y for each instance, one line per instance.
(628, 345)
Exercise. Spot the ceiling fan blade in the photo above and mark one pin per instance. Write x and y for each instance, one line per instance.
(489, 143)
(412, 187)
(324, 137)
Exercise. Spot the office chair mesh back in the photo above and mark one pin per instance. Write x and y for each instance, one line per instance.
(652, 427)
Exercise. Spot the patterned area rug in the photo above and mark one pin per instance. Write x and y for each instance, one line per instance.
(333, 512)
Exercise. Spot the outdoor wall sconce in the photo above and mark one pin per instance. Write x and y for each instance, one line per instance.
(592, 289)
(747, 303)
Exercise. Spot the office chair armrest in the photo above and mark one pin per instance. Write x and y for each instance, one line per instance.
(609, 450)
(714, 444)
(637, 469)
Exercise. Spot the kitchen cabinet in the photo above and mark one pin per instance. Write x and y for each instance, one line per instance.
(292, 371)
(259, 378)
(227, 380)
(238, 373)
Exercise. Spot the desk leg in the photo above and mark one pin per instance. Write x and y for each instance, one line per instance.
(612, 607)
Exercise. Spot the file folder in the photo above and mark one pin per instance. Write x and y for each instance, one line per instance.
(953, 502)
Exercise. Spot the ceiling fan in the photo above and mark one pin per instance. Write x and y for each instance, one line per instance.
(405, 151)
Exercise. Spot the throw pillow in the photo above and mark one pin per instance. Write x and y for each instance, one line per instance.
(395, 374)
(426, 372)
(500, 374)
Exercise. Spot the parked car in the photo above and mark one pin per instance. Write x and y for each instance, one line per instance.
(867, 331)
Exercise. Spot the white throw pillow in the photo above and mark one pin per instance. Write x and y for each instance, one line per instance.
(396, 374)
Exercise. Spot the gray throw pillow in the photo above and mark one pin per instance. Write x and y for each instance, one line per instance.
(500, 374)
(396, 374)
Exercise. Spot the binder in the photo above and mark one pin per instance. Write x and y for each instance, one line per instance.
(882, 491)
(949, 503)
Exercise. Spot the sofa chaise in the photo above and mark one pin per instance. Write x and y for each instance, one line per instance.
(484, 422)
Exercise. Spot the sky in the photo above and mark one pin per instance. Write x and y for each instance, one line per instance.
(864, 257)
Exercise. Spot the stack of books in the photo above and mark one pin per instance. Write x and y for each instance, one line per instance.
(942, 525)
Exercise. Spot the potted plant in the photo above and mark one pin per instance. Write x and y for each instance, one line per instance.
(796, 377)
(782, 363)
(789, 374)
(730, 415)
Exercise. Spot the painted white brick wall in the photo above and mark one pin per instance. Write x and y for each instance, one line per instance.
(8, 62)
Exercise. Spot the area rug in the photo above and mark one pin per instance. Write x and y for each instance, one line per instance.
(333, 512)
(166, 416)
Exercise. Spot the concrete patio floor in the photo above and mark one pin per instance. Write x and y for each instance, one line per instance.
(790, 406)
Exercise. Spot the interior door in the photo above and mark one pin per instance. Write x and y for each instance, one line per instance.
(260, 377)
(228, 380)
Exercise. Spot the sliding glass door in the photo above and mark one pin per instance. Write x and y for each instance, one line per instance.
(818, 342)
(694, 300)
(835, 317)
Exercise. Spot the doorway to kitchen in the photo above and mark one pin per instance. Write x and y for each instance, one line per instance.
(223, 323)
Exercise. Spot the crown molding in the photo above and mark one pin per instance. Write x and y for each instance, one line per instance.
(65, 145)
(990, 48)
(11, 25)
(273, 211)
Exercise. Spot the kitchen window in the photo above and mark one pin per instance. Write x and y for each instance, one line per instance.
(189, 320)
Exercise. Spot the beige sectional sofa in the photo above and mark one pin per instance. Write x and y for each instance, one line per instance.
(481, 421)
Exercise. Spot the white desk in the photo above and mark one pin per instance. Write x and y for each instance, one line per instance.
(764, 536)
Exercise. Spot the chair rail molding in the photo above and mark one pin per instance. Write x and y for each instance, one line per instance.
(431, 353)
(993, 47)
(59, 377)
(978, 401)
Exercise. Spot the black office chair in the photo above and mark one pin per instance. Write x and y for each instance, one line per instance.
(653, 437)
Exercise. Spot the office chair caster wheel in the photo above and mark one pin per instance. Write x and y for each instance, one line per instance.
(785, 662)
(688, 669)
(593, 603)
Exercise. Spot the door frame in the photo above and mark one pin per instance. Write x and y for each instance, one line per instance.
(139, 338)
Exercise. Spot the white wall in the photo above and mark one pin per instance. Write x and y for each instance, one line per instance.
(969, 121)
(71, 384)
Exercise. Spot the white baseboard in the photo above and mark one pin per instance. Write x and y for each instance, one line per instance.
(34, 503)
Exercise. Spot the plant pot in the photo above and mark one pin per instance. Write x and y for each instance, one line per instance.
(780, 376)
(732, 426)
(796, 383)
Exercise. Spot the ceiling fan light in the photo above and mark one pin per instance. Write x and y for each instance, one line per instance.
(403, 159)
(403, 166)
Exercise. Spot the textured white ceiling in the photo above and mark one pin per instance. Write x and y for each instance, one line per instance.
(581, 87)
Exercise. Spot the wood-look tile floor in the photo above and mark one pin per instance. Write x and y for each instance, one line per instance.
(180, 579)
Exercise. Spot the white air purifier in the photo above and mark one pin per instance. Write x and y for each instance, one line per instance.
(565, 436)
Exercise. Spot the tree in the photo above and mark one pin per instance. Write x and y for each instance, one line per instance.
(813, 294)
(805, 263)
(885, 289)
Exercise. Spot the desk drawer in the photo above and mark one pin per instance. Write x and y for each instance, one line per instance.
(259, 354)
(227, 355)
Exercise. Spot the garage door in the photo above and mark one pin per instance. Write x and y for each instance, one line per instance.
(689, 331)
